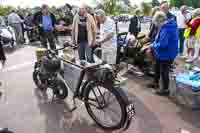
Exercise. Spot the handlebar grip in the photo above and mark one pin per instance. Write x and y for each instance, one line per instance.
(67, 44)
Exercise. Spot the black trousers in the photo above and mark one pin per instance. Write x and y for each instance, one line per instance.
(2, 53)
(48, 37)
(162, 69)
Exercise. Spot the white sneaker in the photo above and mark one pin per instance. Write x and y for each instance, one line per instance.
(183, 56)
(1, 66)
(190, 60)
(121, 80)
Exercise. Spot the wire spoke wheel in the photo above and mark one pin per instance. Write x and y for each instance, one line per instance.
(37, 80)
(60, 89)
(105, 106)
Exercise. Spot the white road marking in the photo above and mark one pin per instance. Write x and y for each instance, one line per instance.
(17, 67)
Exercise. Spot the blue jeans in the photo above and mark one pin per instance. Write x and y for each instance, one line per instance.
(181, 40)
(85, 52)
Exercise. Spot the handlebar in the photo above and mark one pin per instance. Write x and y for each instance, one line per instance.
(83, 65)
(66, 44)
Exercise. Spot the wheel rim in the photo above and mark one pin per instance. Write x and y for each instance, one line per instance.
(109, 112)
(60, 91)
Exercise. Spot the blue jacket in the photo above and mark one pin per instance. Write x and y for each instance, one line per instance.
(166, 44)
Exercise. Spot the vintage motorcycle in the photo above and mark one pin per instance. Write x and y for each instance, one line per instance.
(7, 36)
(48, 74)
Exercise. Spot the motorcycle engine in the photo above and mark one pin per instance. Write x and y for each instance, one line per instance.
(51, 65)
(105, 74)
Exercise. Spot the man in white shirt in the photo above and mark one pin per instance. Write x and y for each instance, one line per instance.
(15, 21)
(183, 18)
(108, 42)
(108, 37)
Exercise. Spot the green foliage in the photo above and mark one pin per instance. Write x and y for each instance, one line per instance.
(155, 3)
(179, 3)
(146, 8)
(110, 6)
(4, 10)
(195, 3)
(115, 7)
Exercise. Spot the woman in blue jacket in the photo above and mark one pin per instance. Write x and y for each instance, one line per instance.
(165, 49)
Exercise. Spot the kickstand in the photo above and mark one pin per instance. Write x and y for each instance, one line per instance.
(74, 105)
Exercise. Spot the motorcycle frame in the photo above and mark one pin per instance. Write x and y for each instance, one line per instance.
(80, 91)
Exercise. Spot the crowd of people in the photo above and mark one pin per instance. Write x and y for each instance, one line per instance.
(81, 30)
(170, 35)
(173, 35)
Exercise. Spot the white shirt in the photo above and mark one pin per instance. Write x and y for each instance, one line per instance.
(109, 48)
(106, 28)
(13, 18)
(182, 19)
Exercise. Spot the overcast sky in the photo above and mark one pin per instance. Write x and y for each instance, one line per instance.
(32, 3)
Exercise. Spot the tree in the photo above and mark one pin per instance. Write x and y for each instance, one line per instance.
(127, 2)
(5, 10)
(146, 8)
(179, 3)
(155, 3)
(113, 7)
(195, 3)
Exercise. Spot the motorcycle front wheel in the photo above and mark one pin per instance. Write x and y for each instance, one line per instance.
(60, 89)
(36, 77)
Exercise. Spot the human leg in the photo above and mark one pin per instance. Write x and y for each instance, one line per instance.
(43, 39)
(164, 72)
(81, 51)
(51, 40)
(181, 41)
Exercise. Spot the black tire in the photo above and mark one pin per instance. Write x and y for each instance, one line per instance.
(12, 44)
(60, 90)
(36, 77)
(120, 115)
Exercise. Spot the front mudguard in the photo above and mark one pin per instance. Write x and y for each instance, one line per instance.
(127, 102)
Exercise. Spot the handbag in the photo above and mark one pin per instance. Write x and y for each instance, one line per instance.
(187, 32)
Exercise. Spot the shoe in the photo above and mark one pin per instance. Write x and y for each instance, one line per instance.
(190, 60)
(120, 80)
(163, 92)
(3, 63)
(183, 56)
(1, 66)
(153, 85)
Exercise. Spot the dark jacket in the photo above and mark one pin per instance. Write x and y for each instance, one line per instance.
(166, 44)
(171, 16)
(37, 20)
(29, 20)
(134, 27)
